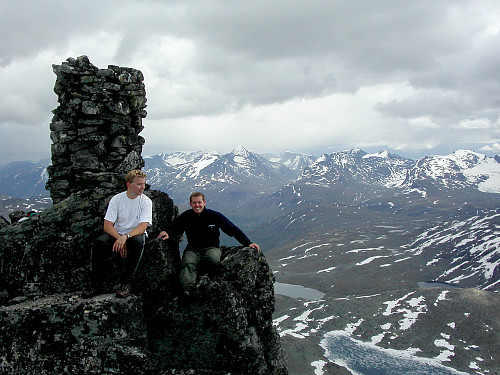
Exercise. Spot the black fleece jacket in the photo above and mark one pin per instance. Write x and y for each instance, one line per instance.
(202, 230)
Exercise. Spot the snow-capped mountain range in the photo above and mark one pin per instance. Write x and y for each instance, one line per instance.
(245, 173)
(461, 170)
(181, 171)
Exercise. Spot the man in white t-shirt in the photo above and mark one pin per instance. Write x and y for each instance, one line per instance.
(128, 216)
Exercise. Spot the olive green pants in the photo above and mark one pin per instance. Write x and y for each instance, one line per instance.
(192, 260)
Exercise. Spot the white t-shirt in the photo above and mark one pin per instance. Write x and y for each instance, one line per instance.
(127, 214)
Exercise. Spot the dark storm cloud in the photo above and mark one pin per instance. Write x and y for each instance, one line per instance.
(339, 73)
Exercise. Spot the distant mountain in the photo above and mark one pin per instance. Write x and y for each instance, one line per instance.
(460, 170)
(348, 181)
(356, 166)
(293, 161)
(228, 180)
(247, 170)
(211, 170)
(23, 179)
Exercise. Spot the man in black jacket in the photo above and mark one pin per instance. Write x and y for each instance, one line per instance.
(202, 231)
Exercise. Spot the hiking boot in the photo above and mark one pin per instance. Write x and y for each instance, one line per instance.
(123, 291)
(92, 291)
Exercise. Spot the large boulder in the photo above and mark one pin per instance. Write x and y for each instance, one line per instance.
(63, 334)
(226, 324)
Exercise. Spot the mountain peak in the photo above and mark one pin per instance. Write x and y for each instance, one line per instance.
(240, 151)
(383, 154)
(468, 156)
(356, 151)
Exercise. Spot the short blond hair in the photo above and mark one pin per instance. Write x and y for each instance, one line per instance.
(197, 194)
(132, 175)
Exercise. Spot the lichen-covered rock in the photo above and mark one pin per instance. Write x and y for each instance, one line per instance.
(64, 334)
(226, 324)
(3, 222)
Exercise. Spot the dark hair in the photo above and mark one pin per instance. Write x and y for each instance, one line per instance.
(197, 194)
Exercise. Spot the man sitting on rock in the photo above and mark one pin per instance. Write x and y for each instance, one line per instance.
(128, 215)
(202, 231)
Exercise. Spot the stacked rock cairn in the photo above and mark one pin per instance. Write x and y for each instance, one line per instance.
(95, 129)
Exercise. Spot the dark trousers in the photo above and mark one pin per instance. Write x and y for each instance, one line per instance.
(103, 248)
(206, 259)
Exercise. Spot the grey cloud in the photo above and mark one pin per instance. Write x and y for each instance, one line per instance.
(376, 35)
(32, 26)
(436, 104)
(269, 52)
(326, 46)
(464, 85)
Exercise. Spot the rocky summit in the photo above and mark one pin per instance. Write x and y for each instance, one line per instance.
(224, 327)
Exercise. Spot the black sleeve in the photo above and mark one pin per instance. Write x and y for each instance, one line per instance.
(177, 228)
(232, 230)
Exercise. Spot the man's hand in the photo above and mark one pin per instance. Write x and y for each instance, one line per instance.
(255, 246)
(163, 235)
(120, 246)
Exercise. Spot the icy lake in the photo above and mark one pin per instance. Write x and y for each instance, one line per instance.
(297, 291)
(363, 358)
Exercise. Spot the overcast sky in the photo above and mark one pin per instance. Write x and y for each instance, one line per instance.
(414, 77)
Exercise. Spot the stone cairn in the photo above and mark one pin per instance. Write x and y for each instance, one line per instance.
(95, 129)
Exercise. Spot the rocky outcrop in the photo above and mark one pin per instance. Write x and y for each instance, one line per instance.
(63, 334)
(47, 328)
(227, 324)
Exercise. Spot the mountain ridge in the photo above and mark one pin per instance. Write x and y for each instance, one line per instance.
(205, 167)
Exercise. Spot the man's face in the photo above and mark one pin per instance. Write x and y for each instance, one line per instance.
(197, 204)
(137, 187)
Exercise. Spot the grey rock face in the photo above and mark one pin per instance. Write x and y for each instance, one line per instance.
(227, 323)
(45, 325)
(63, 334)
